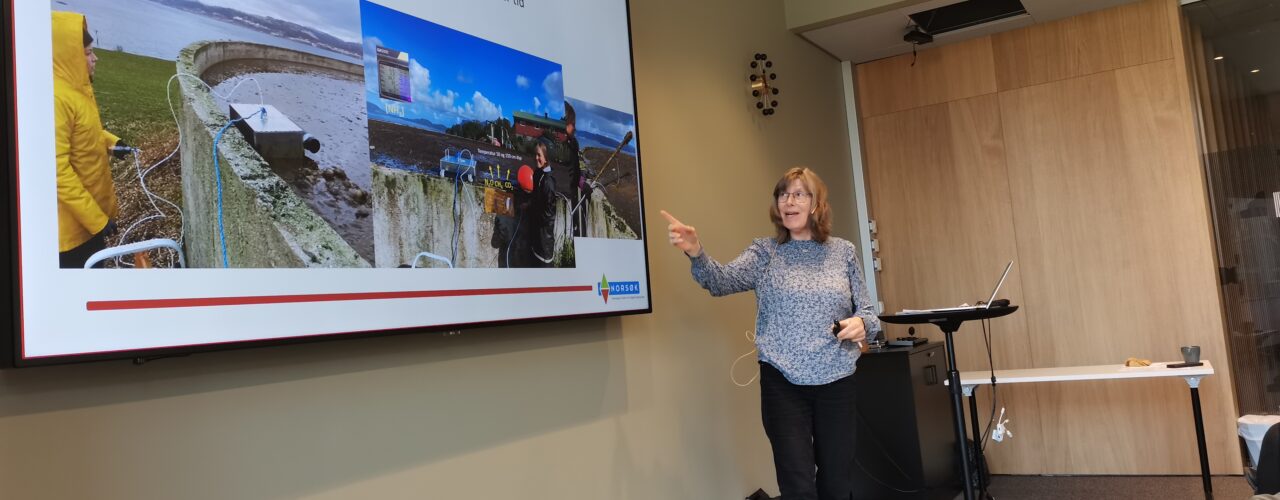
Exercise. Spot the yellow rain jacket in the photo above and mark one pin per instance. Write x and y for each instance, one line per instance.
(86, 193)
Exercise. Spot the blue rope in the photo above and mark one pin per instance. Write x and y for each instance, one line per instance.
(456, 228)
(454, 246)
(217, 175)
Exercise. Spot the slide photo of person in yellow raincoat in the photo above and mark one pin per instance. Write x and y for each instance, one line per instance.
(87, 206)
(203, 186)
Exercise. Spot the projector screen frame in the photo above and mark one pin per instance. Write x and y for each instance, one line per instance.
(11, 349)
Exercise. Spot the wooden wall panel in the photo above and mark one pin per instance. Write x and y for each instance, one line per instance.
(941, 198)
(1128, 35)
(1084, 165)
(1112, 230)
(941, 74)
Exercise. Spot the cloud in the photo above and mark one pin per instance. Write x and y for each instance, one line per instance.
(481, 108)
(537, 105)
(553, 85)
(441, 105)
(603, 127)
(522, 81)
(420, 80)
(430, 101)
(441, 101)
(603, 121)
(371, 62)
(339, 18)
(371, 45)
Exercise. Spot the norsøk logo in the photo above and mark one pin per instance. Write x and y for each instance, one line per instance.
(604, 289)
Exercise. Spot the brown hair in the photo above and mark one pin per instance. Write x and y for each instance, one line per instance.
(819, 219)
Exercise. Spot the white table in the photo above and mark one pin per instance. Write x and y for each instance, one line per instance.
(1192, 375)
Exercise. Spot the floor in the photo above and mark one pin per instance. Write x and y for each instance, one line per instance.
(1126, 487)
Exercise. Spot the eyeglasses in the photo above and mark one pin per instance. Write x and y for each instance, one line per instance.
(800, 197)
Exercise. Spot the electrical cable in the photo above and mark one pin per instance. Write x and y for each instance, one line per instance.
(986, 335)
(168, 97)
(925, 30)
(151, 197)
(887, 458)
(457, 226)
(514, 234)
(751, 337)
(142, 174)
(453, 247)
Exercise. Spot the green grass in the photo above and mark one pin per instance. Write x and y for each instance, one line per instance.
(131, 97)
(131, 100)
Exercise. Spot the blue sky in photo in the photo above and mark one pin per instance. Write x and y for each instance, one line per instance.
(603, 121)
(455, 76)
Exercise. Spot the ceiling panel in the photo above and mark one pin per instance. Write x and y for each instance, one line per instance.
(879, 35)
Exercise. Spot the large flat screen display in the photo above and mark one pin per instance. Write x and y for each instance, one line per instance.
(189, 175)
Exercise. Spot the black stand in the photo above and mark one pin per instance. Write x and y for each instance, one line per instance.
(1204, 454)
(949, 322)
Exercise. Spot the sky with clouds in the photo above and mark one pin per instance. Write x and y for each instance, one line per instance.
(455, 76)
(335, 17)
(603, 121)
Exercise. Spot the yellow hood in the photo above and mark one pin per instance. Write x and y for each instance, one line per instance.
(69, 64)
(86, 192)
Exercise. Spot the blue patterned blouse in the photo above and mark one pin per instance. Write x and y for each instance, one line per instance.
(801, 287)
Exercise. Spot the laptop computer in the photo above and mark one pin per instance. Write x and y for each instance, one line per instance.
(987, 305)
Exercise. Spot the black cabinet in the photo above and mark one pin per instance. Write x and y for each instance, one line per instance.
(906, 446)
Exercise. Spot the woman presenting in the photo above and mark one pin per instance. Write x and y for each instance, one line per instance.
(807, 284)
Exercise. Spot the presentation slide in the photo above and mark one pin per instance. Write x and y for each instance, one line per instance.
(207, 174)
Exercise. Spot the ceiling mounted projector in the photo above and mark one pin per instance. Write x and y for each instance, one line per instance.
(917, 36)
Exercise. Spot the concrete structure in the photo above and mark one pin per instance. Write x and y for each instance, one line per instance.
(266, 223)
(413, 213)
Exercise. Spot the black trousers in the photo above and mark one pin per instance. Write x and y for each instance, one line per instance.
(811, 430)
(76, 257)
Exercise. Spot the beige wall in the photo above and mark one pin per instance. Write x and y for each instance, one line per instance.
(1069, 146)
(632, 408)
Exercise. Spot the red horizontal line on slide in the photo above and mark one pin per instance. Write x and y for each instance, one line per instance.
(118, 305)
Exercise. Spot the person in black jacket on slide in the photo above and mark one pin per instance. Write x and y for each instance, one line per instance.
(541, 214)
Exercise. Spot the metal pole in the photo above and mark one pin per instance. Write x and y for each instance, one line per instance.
(977, 442)
(1204, 453)
(957, 407)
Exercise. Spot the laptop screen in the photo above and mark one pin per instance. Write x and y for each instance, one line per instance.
(999, 284)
